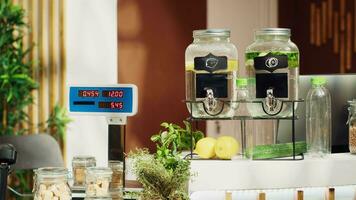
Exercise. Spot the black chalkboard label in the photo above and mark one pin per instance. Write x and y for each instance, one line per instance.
(271, 62)
(276, 81)
(216, 82)
(210, 63)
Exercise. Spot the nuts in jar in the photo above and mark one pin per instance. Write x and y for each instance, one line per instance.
(117, 175)
(79, 164)
(53, 192)
(352, 139)
(98, 181)
(352, 126)
(52, 184)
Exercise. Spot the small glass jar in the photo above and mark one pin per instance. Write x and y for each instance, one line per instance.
(117, 195)
(97, 182)
(117, 168)
(352, 126)
(79, 164)
(210, 74)
(51, 184)
(272, 60)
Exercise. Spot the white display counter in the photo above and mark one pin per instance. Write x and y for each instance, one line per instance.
(336, 170)
(341, 193)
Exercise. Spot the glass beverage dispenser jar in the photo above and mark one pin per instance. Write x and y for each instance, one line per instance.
(210, 74)
(273, 62)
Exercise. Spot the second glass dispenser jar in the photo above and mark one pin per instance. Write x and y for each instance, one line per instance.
(273, 61)
(210, 74)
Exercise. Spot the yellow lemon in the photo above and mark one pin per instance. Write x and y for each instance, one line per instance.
(205, 147)
(226, 147)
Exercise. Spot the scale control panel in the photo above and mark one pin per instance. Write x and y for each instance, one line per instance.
(113, 100)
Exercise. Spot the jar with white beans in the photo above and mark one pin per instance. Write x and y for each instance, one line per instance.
(51, 184)
(98, 182)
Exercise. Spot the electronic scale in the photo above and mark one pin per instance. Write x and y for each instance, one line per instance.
(116, 103)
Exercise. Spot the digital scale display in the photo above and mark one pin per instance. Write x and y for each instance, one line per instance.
(120, 99)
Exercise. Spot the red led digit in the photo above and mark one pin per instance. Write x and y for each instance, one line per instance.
(88, 93)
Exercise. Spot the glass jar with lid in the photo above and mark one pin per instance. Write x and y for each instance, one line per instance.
(79, 164)
(352, 126)
(272, 60)
(97, 182)
(210, 74)
(117, 168)
(51, 184)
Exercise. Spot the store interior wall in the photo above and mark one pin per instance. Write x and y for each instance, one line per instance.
(91, 59)
(152, 38)
(242, 18)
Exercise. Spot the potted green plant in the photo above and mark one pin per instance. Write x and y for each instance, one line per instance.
(164, 175)
(17, 83)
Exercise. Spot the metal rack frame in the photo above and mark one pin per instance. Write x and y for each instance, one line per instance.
(243, 119)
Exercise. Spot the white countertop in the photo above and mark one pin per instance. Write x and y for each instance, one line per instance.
(335, 170)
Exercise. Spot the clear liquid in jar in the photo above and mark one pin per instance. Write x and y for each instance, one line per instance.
(256, 109)
(198, 107)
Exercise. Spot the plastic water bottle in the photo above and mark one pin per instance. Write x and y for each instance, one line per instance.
(318, 118)
(241, 89)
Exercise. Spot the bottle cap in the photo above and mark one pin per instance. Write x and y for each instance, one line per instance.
(252, 81)
(241, 82)
(318, 80)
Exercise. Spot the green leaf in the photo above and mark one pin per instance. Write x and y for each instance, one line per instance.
(165, 124)
(155, 138)
(9, 97)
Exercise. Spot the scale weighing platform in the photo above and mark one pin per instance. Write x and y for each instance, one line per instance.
(116, 103)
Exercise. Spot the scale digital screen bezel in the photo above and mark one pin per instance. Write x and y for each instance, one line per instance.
(93, 108)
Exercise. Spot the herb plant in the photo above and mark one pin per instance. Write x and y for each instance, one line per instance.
(160, 183)
(165, 174)
(173, 140)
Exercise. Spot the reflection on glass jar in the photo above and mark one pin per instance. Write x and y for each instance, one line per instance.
(97, 182)
(210, 74)
(79, 164)
(51, 184)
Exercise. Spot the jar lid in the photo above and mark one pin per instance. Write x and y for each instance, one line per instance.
(83, 159)
(116, 164)
(241, 82)
(319, 80)
(99, 170)
(52, 172)
(273, 31)
(211, 32)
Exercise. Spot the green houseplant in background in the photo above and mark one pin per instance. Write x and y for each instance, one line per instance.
(17, 83)
(164, 175)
